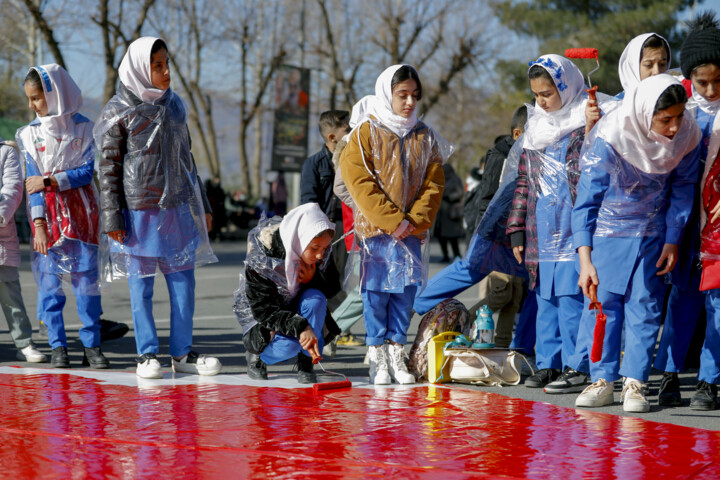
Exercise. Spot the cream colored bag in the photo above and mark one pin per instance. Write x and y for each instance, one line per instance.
(491, 366)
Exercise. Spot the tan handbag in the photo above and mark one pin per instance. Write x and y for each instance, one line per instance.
(487, 366)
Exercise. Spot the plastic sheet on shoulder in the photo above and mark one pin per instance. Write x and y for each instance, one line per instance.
(164, 218)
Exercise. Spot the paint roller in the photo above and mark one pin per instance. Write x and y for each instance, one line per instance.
(586, 53)
(600, 321)
(318, 387)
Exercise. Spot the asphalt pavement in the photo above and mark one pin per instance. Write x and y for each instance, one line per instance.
(217, 333)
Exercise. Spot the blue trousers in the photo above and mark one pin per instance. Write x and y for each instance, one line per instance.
(313, 306)
(558, 320)
(684, 309)
(88, 307)
(524, 337)
(387, 315)
(181, 288)
(447, 283)
(710, 354)
(640, 311)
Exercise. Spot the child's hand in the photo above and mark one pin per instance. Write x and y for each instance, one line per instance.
(40, 242)
(305, 272)
(588, 273)
(408, 231)
(592, 114)
(117, 235)
(209, 221)
(715, 212)
(308, 341)
(517, 251)
(34, 184)
(669, 257)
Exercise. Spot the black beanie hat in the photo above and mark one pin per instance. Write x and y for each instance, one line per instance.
(702, 44)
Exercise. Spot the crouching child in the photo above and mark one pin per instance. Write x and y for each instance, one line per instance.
(282, 299)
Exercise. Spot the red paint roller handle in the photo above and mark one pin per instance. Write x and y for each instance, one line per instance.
(592, 93)
(581, 53)
(315, 358)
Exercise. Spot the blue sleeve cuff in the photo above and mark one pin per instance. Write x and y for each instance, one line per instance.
(582, 239)
(37, 211)
(63, 181)
(672, 235)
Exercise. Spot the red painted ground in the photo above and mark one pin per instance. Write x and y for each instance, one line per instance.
(65, 426)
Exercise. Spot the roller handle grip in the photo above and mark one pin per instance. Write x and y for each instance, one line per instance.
(592, 93)
(315, 358)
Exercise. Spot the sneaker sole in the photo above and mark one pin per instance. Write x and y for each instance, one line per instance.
(702, 408)
(594, 403)
(206, 373)
(570, 389)
(32, 359)
(636, 408)
(150, 377)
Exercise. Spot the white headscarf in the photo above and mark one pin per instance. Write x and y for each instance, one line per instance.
(297, 229)
(709, 107)
(63, 98)
(380, 106)
(545, 128)
(629, 65)
(628, 129)
(134, 70)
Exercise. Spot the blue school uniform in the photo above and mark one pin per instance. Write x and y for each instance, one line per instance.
(559, 299)
(627, 216)
(686, 301)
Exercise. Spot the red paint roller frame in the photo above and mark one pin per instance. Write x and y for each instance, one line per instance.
(600, 321)
(586, 53)
(318, 387)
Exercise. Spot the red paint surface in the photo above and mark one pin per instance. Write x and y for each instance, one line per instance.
(64, 426)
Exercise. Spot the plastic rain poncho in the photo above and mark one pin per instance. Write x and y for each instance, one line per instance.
(548, 169)
(297, 229)
(60, 144)
(631, 175)
(386, 167)
(148, 178)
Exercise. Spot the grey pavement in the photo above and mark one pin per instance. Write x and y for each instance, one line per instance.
(217, 333)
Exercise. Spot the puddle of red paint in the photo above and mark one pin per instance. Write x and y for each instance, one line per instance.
(64, 426)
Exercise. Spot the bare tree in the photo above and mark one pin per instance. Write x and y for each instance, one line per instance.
(191, 35)
(36, 8)
(116, 35)
(260, 57)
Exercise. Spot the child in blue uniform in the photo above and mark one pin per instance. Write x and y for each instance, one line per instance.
(635, 194)
(153, 207)
(59, 155)
(539, 222)
(700, 62)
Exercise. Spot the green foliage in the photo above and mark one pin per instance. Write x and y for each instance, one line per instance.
(607, 26)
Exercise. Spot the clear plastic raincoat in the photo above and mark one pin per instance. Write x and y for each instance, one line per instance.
(60, 144)
(149, 185)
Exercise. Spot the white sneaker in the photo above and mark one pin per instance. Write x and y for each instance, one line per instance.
(197, 364)
(633, 398)
(330, 349)
(148, 366)
(379, 373)
(31, 354)
(596, 394)
(398, 365)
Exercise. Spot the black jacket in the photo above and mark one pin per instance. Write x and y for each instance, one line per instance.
(145, 158)
(316, 184)
(272, 312)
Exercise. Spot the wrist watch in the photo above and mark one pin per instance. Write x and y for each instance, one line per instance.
(47, 182)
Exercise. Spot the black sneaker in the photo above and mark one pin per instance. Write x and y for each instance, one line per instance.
(110, 330)
(570, 381)
(705, 397)
(542, 377)
(256, 368)
(94, 358)
(669, 393)
(305, 369)
(59, 358)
